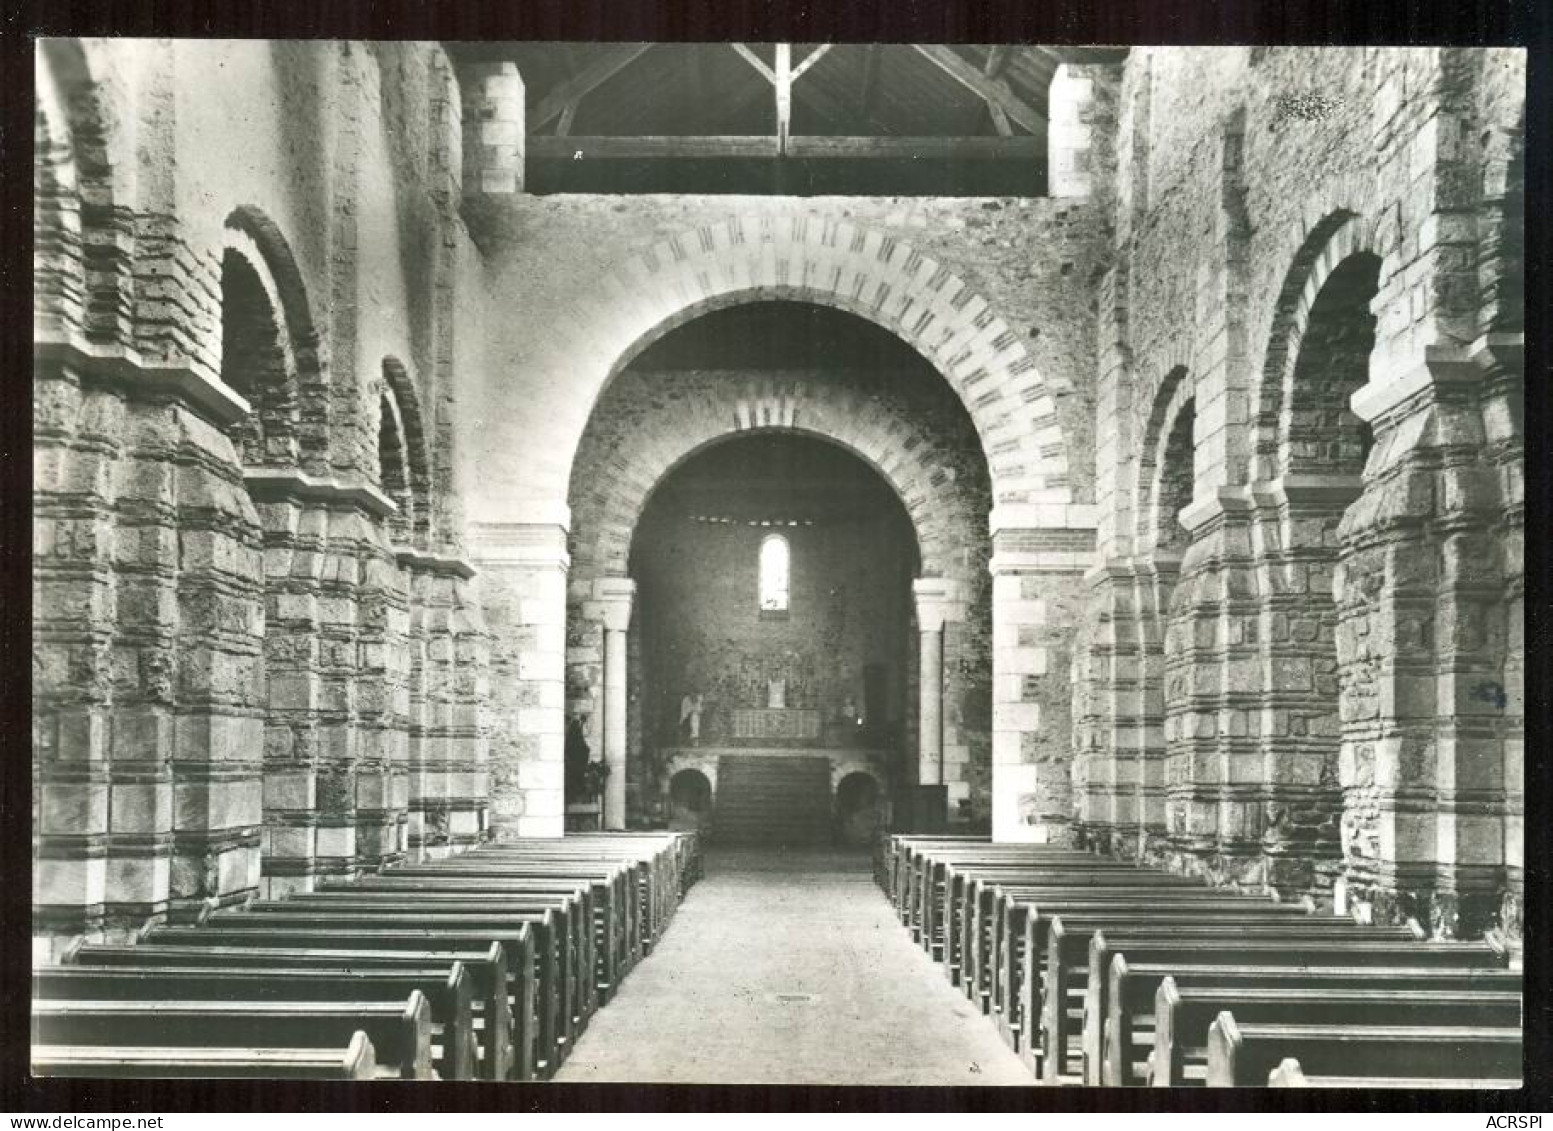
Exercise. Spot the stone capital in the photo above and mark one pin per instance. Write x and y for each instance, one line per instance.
(1441, 367)
(1223, 501)
(614, 597)
(938, 601)
(446, 564)
(1308, 491)
(218, 402)
(290, 483)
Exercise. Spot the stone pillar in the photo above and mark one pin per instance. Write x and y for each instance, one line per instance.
(1039, 555)
(449, 678)
(1427, 591)
(493, 121)
(147, 672)
(614, 596)
(1213, 676)
(336, 786)
(1297, 719)
(522, 587)
(934, 598)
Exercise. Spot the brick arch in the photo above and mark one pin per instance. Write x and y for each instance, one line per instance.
(408, 483)
(609, 492)
(59, 274)
(813, 259)
(270, 347)
(85, 276)
(1328, 245)
(1170, 400)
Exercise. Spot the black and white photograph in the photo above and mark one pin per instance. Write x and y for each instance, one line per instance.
(882, 565)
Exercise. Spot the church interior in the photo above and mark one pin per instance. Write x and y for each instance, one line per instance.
(839, 532)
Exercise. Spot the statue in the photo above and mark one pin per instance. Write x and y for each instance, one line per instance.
(690, 712)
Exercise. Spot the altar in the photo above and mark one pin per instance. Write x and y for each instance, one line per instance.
(790, 724)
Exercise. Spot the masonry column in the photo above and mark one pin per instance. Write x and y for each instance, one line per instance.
(936, 603)
(1039, 554)
(614, 596)
(522, 586)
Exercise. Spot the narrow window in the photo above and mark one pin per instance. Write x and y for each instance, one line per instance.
(774, 559)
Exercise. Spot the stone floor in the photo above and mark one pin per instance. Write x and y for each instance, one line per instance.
(790, 968)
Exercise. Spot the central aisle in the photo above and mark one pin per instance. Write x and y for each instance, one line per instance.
(790, 969)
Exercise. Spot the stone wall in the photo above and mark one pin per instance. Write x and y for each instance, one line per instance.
(235, 623)
(1312, 247)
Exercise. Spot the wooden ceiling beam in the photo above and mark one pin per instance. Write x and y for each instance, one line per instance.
(755, 61)
(996, 57)
(993, 91)
(812, 58)
(806, 146)
(590, 78)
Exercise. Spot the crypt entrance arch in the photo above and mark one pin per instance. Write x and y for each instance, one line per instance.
(860, 396)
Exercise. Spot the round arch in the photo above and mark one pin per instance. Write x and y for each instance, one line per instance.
(269, 349)
(1331, 244)
(1171, 399)
(817, 260)
(408, 483)
(59, 274)
(612, 486)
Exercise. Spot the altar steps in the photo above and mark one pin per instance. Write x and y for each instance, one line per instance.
(773, 801)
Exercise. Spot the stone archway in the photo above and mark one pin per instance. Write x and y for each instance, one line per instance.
(803, 258)
(640, 436)
(1042, 537)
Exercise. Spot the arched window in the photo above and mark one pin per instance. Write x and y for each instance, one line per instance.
(775, 558)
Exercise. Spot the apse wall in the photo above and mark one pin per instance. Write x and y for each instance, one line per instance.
(702, 630)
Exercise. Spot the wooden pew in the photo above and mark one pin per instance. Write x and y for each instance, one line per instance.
(581, 996)
(448, 992)
(1182, 1016)
(1078, 963)
(1019, 935)
(999, 909)
(357, 1061)
(966, 897)
(558, 965)
(928, 872)
(400, 1032)
(1359, 950)
(530, 967)
(612, 891)
(503, 1054)
(1128, 1032)
(1244, 1056)
(1289, 1074)
(1057, 949)
(608, 911)
(1094, 979)
(1066, 994)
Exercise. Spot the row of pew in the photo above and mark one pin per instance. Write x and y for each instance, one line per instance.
(487, 965)
(1103, 973)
